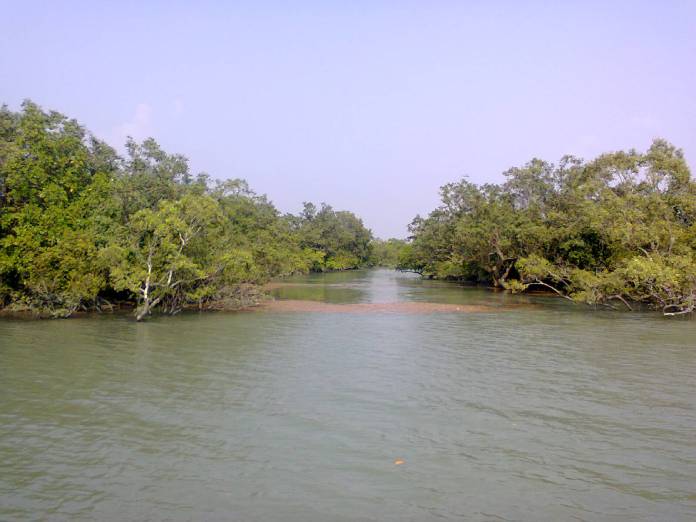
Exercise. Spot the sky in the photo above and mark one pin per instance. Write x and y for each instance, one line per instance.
(367, 106)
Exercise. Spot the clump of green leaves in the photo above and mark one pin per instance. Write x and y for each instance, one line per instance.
(389, 253)
(616, 230)
(82, 227)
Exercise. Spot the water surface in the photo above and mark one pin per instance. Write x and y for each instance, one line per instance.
(527, 409)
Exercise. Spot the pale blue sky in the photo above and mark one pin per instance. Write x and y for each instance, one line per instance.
(369, 106)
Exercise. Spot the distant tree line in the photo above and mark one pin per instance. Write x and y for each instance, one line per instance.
(82, 228)
(389, 253)
(617, 230)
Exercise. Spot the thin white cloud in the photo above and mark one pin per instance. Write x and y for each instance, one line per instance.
(138, 127)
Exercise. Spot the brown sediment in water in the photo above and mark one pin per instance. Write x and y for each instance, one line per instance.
(411, 307)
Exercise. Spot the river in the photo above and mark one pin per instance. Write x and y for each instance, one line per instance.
(352, 398)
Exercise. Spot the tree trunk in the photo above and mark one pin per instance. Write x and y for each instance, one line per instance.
(146, 308)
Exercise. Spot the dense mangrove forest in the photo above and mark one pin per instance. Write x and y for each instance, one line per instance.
(614, 231)
(84, 228)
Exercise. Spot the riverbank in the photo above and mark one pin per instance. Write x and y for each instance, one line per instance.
(298, 294)
(245, 298)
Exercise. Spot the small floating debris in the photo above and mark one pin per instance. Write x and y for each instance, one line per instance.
(399, 462)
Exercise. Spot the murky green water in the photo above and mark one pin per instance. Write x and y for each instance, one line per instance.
(536, 413)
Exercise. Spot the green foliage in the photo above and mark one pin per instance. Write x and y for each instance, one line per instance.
(389, 253)
(49, 232)
(339, 235)
(620, 228)
(80, 225)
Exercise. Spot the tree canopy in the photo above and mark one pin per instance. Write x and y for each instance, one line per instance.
(82, 227)
(618, 229)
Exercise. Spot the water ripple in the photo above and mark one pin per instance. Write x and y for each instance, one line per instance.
(545, 413)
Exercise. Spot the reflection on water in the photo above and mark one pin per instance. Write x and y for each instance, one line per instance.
(403, 307)
(549, 412)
